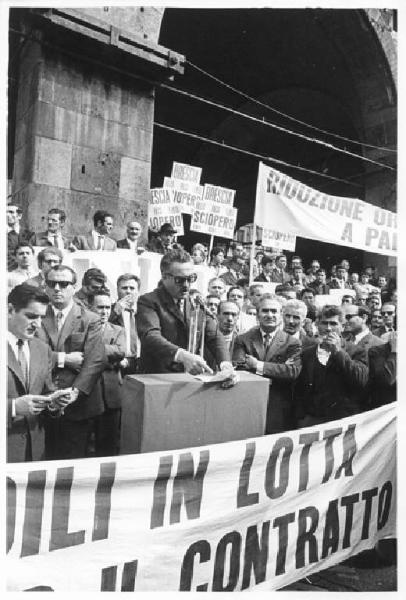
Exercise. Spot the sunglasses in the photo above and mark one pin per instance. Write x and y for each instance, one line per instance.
(182, 280)
(62, 284)
(387, 312)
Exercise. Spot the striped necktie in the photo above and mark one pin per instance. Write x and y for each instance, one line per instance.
(23, 361)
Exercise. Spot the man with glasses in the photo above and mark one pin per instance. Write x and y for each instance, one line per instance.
(93, 280)
(388, 312)
(47, 259)
(272, 353)
(163, 322)
(134, 231)
(53, 236)
(74, 336)
(334, 374)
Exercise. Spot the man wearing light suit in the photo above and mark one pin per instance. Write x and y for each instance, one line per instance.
(107, 425)
(98, 238)
(78, 358)
(163, 322)
(29, 376)
(272, 353)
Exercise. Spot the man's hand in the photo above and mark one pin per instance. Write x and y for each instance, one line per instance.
(60, 399)
(193, 363)
(74, 360)
(233, 376)
(128, 302)
(332, 342)
(251, 362)
(30, 405)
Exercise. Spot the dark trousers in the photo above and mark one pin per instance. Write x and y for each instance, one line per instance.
(65, 438)
(107, 432)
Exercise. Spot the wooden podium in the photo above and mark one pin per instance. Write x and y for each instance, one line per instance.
(170, 411)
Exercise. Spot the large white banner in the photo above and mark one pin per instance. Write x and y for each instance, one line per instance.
(288, 206)
(253, 514)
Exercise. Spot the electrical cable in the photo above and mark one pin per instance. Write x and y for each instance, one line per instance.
(278, 112)
(278, 127)
(254, 154)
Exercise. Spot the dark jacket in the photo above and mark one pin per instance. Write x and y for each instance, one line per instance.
(13, 240)
(382, 375)
(163, 330)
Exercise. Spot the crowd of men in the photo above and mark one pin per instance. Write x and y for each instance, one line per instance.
(70, 349)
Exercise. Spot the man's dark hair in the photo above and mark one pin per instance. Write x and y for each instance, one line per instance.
(319, 271)
(309, 290)
(223, 302)
(331, 310)
(216, 250)
(62, 268)
(21, 296)
(267, 259)
(101, 215)
(23, 245)
(17, 206)
(348, 296)
(128, 277)
(49, 250)
(174, 256)
(104, 291)
(58, 211)
(364, 311)
(94, 274)
(241, 283)
(233, 287)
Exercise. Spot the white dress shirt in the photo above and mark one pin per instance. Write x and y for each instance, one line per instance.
(260, 363)
(64, 311)
(96, 236)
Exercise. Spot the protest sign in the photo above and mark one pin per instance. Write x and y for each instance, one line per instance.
(163, 209)
(186, 172)
(185, 193)
(253, 514)
(221, 195)
(296, 209)
(214, 218)
(278, 240)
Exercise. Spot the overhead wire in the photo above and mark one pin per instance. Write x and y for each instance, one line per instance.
(285, 115)
(253, 154)
(278, 127)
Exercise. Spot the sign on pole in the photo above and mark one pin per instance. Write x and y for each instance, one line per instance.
(163, 209)
(186, 193)
(186, 172)
(214, 219)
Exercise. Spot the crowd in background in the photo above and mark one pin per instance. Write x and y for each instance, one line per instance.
(324, 359)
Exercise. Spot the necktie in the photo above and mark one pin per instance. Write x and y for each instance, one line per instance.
(181, 306)
(131, 333)
(23, 361)
(267, 341)
(55, 240)
(59, 317)
(100, 242)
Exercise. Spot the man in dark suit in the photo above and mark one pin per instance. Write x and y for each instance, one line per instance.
(164, 241)
(233, 274)
(93, 280)
(98, 238)
(355, 328)
(107, 424)
(270, 273)
(29, 378)
(320, 285)
(134, 231)
(334, 374)
(16, 235)
(272, 353)
(53, 236)
(163, 322)
(74, 336)
(340, 281)
(227, 317)
(382, 372)
(124, 314)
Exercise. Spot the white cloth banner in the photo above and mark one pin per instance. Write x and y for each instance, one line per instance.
(287, 206)
(253, 514)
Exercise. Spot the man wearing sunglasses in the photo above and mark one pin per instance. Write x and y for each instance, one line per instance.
(388, 312)
(163, 322)
(78, 359)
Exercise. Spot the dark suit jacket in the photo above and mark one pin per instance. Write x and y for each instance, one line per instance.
(382, 375)
(229, 278)
(81, 332)
(85, 242)
(41, 239)
(368, 341)
(37, 281)
(320, 288)
(13, 240)
(114, 346)
(283, 347)
(25, 436)
(334, 285)
(163, 330)
(333, 391)
(276, 276)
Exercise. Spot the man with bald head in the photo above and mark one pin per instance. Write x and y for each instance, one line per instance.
(134, 232)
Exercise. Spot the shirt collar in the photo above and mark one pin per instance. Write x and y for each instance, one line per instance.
(64, 311)
(12, 339)
(361, 335)
(15, 228)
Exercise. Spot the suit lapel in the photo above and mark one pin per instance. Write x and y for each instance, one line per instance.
(172, 307)
(69, 325)
(258, 343)
(14, 366)
(49, 325)
(277, 341)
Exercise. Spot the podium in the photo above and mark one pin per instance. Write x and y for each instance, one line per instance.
(171, 411)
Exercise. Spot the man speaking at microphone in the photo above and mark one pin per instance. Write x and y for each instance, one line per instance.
(164, 319)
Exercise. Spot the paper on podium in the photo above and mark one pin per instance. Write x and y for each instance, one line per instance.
(216, 378)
